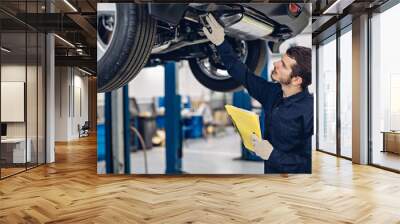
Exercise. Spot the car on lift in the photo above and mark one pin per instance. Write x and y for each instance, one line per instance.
(131, 36)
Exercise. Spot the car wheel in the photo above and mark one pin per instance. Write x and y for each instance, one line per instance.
(125, 38)
(212, 74)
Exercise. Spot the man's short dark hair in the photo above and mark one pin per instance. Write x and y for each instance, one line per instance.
(302, 68)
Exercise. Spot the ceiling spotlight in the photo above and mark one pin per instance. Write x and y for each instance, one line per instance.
(79, 51)
(5, 50)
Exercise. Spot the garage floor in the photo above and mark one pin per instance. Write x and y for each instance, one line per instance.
(215, 155)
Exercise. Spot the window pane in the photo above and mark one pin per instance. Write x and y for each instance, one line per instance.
(385, 85)
(13, 86)
(23, 87)
(31, 97)
(41, 99)
(346, 94)
(327, 97)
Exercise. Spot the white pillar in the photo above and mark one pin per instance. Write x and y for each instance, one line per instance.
(50, 99)
(360, 90)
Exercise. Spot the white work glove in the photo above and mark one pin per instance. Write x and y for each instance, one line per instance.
(262, 148)
(217, 31)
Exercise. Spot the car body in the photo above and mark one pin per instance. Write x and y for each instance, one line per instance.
(132, 36)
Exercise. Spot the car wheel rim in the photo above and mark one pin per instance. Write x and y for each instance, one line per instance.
(208, 68)
(106, 25)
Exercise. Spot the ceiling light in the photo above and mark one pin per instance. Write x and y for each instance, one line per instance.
(86, 72)
(337, 7)
(5, 50)
(70, 5)
(79, 51)
(65, 41)
(331, 7)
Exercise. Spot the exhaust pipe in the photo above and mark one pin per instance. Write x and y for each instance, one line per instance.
(237, 25)
(245, 27)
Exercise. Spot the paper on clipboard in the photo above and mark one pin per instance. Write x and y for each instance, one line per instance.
(246, 122)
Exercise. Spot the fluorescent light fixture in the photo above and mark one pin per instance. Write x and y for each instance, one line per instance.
(331, 7)
(70, 5)
(5, 50)
(86, 72)
(337, 7)
(79, 51)
(64, 40)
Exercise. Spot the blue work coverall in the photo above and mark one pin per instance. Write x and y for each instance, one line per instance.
(288, 120)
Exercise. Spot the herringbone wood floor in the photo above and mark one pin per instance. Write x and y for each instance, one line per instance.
(70, 191)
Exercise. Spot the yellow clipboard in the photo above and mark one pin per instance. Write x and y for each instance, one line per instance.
(246, 122)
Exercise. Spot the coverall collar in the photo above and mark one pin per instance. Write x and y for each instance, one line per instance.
(296, 97)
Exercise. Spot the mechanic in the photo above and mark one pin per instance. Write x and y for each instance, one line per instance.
(287, 104)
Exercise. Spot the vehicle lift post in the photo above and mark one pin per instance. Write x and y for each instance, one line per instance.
(173, 126)
(117, 131)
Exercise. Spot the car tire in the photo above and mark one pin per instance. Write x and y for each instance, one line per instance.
(255, 61)
(129, 48)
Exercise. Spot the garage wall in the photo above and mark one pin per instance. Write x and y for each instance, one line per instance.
(150, 83)
(147, 84)
(304, 40)
(188, 85)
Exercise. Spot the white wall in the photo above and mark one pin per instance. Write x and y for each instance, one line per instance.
(61, 103)
(149, 83)
(67, 115)
(12, 73)
(80, 83)
(188, 84)
(33, 125)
